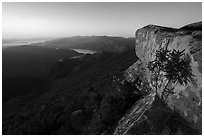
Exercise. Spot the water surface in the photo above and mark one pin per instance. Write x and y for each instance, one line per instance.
(85, 51)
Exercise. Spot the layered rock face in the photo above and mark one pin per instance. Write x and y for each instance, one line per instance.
(187, 100)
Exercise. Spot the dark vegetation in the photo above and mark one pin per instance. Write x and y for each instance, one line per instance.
(87, 96)
(23, 85)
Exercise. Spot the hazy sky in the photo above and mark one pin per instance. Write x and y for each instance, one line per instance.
(35, 20)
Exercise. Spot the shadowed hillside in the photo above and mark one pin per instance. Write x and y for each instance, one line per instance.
(86, 102)
(31, 60)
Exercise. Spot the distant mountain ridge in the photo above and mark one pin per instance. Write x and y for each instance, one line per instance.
(96, 43)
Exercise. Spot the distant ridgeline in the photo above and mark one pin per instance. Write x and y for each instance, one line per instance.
(95, 43)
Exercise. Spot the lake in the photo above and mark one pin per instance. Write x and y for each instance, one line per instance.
(85, 51)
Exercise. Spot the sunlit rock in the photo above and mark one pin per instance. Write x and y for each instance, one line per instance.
(187, 99)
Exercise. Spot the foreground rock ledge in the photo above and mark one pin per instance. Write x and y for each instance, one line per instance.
(187, 101)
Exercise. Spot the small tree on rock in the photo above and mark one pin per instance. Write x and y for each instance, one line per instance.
(174, 66)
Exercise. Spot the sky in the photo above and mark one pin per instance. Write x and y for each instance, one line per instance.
(21, 20)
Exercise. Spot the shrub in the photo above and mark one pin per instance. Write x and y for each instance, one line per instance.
(173, 65)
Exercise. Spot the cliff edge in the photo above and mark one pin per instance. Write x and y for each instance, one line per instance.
(187, 100)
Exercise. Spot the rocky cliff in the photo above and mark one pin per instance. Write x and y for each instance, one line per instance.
(187, 100)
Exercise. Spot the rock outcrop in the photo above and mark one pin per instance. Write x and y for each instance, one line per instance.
(187, 100)
(152, 116)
